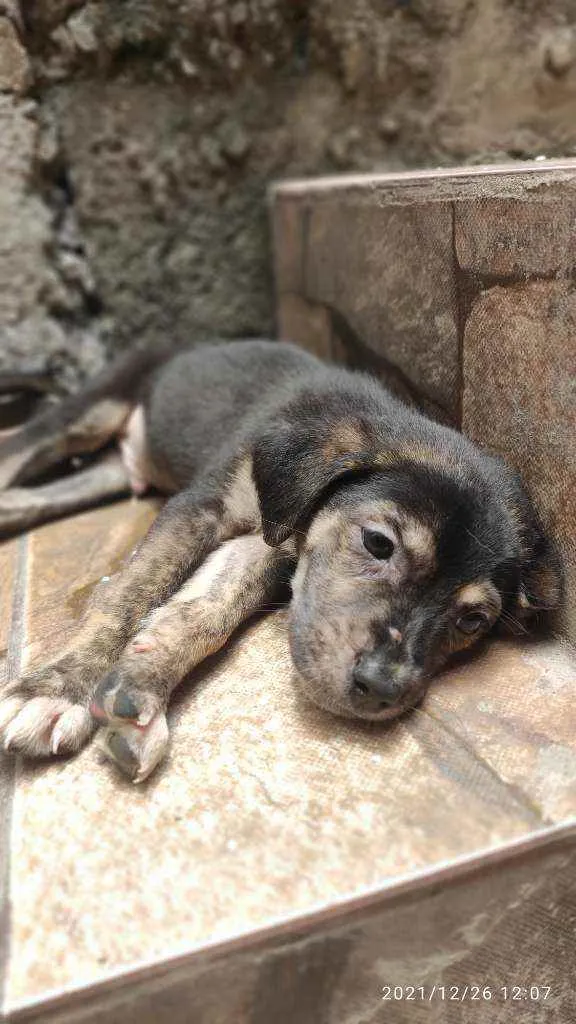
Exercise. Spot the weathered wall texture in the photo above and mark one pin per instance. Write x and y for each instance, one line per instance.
(137, 139)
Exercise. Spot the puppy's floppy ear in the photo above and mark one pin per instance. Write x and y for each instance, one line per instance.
(541, 583)
(293, 464)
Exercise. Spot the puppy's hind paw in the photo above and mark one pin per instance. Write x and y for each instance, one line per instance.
(135, 735)
(136, 750)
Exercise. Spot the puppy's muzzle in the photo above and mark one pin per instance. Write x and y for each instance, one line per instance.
(379, 684)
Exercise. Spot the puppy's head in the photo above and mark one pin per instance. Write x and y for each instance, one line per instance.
(407, 555)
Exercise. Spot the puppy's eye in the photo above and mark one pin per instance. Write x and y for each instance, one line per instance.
(378, 544)
(472, 622)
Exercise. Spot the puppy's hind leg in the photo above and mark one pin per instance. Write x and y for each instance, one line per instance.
(21, 394)
(76, 426)
(22, 508)
(80, 423)
(237, 580)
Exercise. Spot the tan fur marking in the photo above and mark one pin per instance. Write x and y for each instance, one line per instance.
(132, 444)
(323, 528)
(101, 421)
(413, 451)
(241, 500)
(384, 458)
(198, 619)
(458, 641)
(347, 439)
(227, 563)
(419, 541)
(300, 574)
(482, 593)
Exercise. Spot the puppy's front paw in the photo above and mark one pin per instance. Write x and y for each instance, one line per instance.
(136, 736)
(39, 718)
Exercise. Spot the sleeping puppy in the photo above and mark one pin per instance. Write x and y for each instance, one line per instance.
(396, 541)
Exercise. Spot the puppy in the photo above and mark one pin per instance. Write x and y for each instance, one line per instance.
(402, 542)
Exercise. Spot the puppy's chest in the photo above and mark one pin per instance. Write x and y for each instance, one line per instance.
(241, 505)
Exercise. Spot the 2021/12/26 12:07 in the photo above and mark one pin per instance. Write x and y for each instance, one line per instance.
(459, 993)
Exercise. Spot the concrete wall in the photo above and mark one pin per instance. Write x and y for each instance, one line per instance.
(137, 141)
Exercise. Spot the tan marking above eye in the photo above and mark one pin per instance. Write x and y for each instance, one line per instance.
(419, 541)
(324, 528)
(483, 594)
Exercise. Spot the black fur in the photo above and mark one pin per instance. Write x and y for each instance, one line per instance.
(259, 437)
(282, 405)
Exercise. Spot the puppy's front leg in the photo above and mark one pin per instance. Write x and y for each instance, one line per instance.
(237, 580)
(47, 711)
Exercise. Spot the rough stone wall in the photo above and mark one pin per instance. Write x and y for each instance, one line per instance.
(137, 141)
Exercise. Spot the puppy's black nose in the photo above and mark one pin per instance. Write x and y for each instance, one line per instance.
(373, 682)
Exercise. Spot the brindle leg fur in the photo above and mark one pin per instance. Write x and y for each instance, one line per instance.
(238, 579)
(59, 433)
(47, 710)
(80, 423)
(21, 508)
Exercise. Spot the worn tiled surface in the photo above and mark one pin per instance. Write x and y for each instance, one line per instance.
(512, 706)
(463, 281)
(491, 940)
(400, 256)
(266, 806)
(377, 252)
(44, 579)
(8, 568)
(65, 561)
(9, 607)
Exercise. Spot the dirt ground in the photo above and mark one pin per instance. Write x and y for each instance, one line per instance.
(137, 141)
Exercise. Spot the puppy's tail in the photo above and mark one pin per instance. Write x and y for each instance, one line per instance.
(84, 422)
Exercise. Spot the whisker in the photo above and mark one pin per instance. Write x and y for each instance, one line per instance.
(274, 522)
(507, 617)
(415, 709)
(480, 542)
